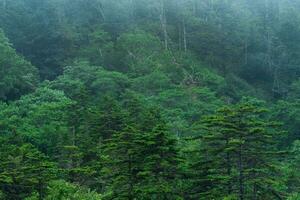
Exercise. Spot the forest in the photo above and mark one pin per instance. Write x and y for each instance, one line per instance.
(149, 100)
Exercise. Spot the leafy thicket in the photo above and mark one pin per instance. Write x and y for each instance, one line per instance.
(149, 99)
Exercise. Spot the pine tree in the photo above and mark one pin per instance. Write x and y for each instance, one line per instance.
(159, 168)
(108, 120)
(74, 146)
(120, 164)
(239, 152)
(141, 163)
(255, 152)
(211, 174)
(23, 170)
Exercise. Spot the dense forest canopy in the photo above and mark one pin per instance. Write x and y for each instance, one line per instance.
(149, 99)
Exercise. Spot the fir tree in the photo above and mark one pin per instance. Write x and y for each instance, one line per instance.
(159, 168)
(120, 164)
(23, 170)
(239, 153)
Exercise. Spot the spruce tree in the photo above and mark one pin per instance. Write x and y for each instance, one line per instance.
(23, 169)
(141, 163)
(75, 145)
(120, 164)
(238, 148)
(159, 168)
(211, 174)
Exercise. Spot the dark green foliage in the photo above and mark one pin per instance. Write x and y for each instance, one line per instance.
(34, 28)
(96, 80)
(120, 169)
(159, 170)
(17, 76)
(24, 169)
(63, 190)
(144, 99)
(238, 154)
(141, 165)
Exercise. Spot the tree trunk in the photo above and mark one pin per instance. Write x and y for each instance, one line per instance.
(132, 11)
(195, 5)
(229, 188)
(101, 10)
(254, 192)
(180, 37)
(130, 190)
(241, 173)
(74, 135)
(184, 37)
(246, 51)
(268, 36)
(163, 22)
(40, 190)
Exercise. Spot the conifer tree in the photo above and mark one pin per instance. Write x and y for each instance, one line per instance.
(74, 146)
(141, 163)
(238, 148)
(159, 168)
(215, 154)
(120, 164)
(23, 169)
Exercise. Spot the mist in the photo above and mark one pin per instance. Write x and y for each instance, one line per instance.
(149, 99)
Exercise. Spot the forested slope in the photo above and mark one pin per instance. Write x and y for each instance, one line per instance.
(149, 99)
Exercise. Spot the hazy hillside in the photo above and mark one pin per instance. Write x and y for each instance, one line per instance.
(149, 99)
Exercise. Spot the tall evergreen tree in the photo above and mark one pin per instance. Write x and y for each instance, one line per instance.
(159, 168)
(23, 169)
(239, 146)
(120, 164)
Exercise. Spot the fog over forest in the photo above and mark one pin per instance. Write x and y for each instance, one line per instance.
(149, 99)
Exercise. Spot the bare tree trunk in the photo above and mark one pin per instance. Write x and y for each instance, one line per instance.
(184, 37)
(132, 11)
(180, 37)
(269, 50)
(100, 9)
(276, 86)
(246, 51)
(268, 36)
(163, 22)
(195, 5)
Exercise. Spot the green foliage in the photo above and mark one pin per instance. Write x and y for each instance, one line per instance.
(160, 166)
(95, 79)
(66, 191)
(288, 113)
(151, 84)
(36, 33)
(40, 117)
(98, 50)
(292, 175)
(238, 155)
(294, 196)
(140, 164)
(183, 106)
(145, 99)
(23, 169)
(295, 87)
(138, 52)
(17, 76)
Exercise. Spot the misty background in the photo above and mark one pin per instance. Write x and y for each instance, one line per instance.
(149, 99)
